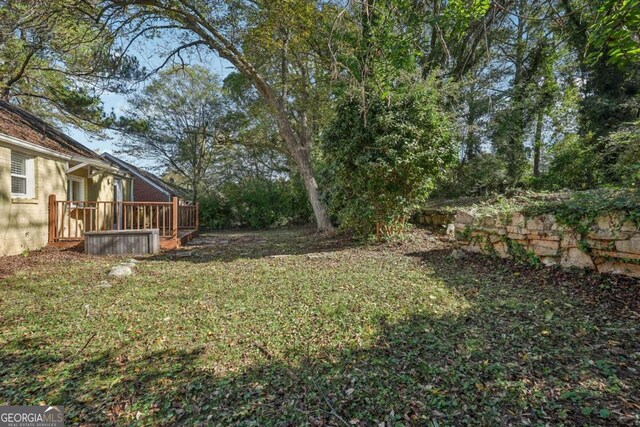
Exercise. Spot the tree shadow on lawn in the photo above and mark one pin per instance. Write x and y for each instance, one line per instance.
(522, 353)
(614, 294)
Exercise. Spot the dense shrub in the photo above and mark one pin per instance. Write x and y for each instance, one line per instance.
(256, 203)
(589, 162)
(576, 163)
(385, 163)
(623, 156)
(215, 212)
(482, 175)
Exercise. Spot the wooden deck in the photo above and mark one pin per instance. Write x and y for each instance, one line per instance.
(176, 221)
(184, 236)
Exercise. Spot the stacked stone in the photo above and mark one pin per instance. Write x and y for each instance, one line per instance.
(612, 244)
(433, 217)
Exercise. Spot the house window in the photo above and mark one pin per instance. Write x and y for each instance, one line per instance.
(22, 176)
(75, 189)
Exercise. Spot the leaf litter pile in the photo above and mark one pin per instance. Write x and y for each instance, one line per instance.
(287, 327)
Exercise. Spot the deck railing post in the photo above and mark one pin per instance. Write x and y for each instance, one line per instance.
(174, 215)
(197, 216)
(52, 218)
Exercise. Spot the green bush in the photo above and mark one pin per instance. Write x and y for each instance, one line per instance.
(623, 155)
(256, 203)
(385, 163)
(215, 212)
(575, 164)
(588, 162)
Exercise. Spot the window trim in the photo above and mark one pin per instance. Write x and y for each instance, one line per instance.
(29, 176)
(80, 180)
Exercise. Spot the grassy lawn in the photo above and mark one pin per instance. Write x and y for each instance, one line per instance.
(288, 328)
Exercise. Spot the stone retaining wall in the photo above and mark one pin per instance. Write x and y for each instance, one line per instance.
(612, 245)
(433, 218)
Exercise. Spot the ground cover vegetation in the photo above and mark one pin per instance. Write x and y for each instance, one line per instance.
(343, 114)
(288, 327)
(362, 104)
(574, 209)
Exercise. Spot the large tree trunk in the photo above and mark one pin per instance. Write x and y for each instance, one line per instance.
(515, 148)
(303, 161)
(298, 147)
(194, 195)
(300, 152)
(195, 19)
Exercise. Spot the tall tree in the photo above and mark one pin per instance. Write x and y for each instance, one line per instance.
(391, 136)
(614, 34)
(611, 78)
(606, 38)
(54, 62)
(526, 52)
(456, 34)
(177, 121)
(223, 27)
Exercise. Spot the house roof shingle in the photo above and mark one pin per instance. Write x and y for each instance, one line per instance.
(23, 125)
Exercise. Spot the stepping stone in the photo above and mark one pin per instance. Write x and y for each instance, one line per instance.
(451, 230)
(185, 254)
(103, 284)
(120, 271)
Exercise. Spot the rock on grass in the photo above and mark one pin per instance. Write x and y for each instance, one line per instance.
(120, 271)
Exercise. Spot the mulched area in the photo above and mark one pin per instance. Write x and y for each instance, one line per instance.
(607, 291)
(9, 265)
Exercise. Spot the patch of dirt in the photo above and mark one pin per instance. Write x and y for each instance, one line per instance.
(39, 259)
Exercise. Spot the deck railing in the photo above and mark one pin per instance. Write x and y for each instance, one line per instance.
(70, 219)
(188, 216)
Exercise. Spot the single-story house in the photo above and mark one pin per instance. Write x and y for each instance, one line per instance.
(38, 163)
(147, 187)
(53, 190)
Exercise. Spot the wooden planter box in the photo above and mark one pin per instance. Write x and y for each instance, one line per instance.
(120, 242)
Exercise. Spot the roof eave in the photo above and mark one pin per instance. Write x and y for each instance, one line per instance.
(56, 154)
(33, 147)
